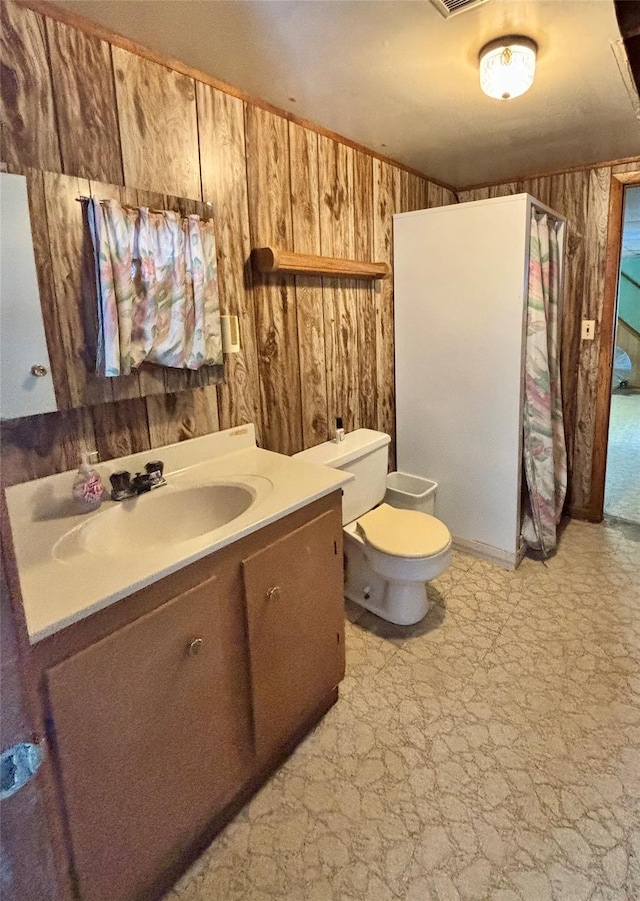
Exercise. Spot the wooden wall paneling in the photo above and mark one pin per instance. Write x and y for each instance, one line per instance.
(385, 204)
(337, 239)
(82, 74)
(158, 126)
(74, 285)
(633, 166)
(224, 184)
(473, 195)
(414, 193)
(405, 191)
(29, 133)
(366, 313)
(540, 188)
(39, 446)
(176, 417)
(594, 273)
(570, 197)
(206, 411)
(505, 190)
(151, 379)
(423, 195)
(269, 193)
(121, 428)
(305, 217)
(435, 195)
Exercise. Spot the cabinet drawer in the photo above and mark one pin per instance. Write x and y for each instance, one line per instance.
(295, 622)
(152, 738)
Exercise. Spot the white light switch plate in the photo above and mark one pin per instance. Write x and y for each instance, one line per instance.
(588, 329)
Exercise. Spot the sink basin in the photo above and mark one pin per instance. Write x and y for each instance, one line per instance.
(157, 519)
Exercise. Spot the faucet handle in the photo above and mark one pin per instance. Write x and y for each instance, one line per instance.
(155, 469)
(121, 484)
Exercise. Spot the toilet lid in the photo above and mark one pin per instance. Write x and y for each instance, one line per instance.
(404, 533)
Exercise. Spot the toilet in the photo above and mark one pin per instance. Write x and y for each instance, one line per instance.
(390, 553)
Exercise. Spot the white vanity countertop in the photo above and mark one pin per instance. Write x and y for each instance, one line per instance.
(62, 583)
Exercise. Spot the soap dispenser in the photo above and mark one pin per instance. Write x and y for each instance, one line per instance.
(339, 430)
(88, 488)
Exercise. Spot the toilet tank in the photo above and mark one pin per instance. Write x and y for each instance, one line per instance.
(365, 453)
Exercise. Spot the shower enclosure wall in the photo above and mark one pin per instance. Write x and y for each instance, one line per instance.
(460, 297)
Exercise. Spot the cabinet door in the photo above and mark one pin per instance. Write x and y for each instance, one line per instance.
(295, 618)
(25, 370)
(152, 739)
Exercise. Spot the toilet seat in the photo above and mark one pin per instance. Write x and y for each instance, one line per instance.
(403, 533)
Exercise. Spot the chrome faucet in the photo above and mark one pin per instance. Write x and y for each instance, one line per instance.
(123, 486)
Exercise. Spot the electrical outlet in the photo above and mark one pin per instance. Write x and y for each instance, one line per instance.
(588, 329)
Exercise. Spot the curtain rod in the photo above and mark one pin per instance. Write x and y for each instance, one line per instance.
(127, 206)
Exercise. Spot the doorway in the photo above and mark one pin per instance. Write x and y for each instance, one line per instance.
(622, 483)
(621, 180)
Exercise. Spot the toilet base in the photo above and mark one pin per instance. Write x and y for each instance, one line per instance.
(402, 603)
(411, 610)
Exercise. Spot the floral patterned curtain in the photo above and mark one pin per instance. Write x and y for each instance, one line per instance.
(156, 277)
(545, 458)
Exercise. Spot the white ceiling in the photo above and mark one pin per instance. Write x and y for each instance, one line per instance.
(395, 76)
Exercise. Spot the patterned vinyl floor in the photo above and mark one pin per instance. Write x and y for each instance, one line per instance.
(622, 489)
(491, 752)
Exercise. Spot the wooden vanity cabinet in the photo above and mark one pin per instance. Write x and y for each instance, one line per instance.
(166, 717)
(152, 738)
(296, 630)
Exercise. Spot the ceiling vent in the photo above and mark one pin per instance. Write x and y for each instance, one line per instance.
(448, 8)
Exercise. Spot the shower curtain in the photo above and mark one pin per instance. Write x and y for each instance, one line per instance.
(544, 451)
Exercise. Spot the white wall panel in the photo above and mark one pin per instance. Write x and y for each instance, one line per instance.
(460, 281)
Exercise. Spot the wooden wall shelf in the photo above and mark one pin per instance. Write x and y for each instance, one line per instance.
(268, 260)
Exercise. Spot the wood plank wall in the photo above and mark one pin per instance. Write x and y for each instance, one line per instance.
(583, 198)
(312, 348)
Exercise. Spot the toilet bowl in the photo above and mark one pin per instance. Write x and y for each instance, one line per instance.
(390, 553)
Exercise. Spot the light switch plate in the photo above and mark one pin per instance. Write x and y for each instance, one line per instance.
(588, 329)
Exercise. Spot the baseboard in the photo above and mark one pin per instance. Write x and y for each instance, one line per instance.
(585, 513)
(488, 552)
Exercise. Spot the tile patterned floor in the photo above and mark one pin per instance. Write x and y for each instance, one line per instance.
(622, 489)
(491, 752)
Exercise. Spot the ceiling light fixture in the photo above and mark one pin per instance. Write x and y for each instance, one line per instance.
(507, 67)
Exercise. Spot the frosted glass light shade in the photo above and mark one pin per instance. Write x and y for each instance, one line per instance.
(507, 67)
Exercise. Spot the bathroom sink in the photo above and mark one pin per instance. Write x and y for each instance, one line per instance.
(157, 519)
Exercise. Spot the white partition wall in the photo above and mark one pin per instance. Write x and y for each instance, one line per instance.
(460, 289)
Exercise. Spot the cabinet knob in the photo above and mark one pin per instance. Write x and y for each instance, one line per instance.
(194, 647)
(39, 370)
(274, 593)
